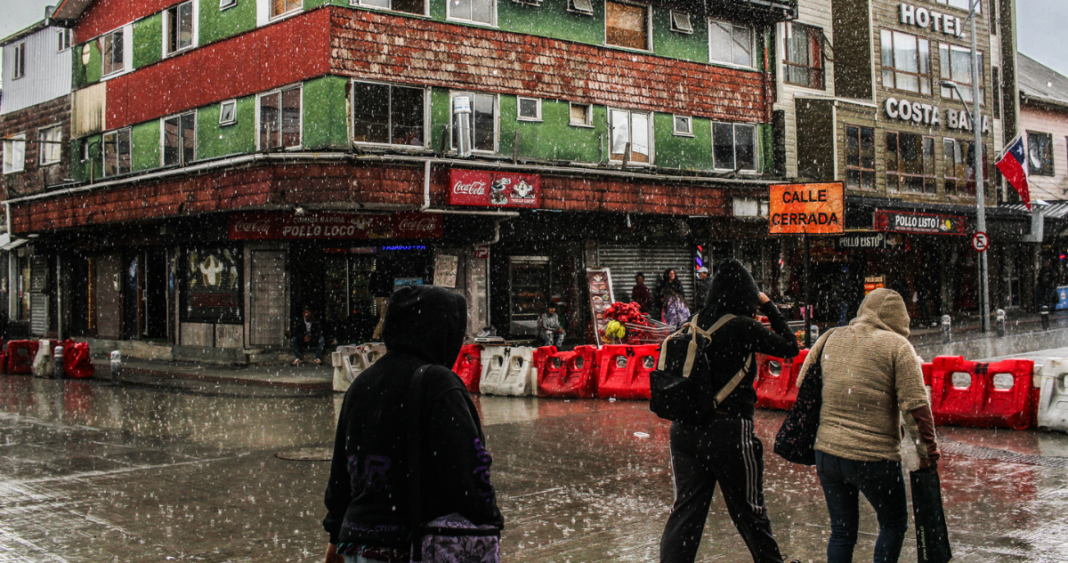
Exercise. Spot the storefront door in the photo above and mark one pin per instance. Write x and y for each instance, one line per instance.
(108, 288)
(267, 311)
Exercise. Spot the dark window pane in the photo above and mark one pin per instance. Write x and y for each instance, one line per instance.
(291, 118)
(867, 180)
(409, 6)
(370, 113)
(407, 116)
(270, 125)
(723, 145)
(123, 141)
(189, 138)
(110, 155)
(891, 152)
(484, 123)
(745, 147)
(909, 152)
(867, 148)
(852, 146)
(853, 179)
(170, 141)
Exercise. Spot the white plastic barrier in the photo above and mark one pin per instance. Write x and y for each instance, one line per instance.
(1053, 397)
(508, 370)
(350, 361)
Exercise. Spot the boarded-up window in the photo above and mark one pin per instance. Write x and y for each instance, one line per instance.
(626, 25)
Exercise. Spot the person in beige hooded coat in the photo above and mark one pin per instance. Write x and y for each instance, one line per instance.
(871, 375)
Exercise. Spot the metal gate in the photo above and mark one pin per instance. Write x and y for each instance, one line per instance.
(267, 316)
(39, 295)
(650, 258)
(108, 289)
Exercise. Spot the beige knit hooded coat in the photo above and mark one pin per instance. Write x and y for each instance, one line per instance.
(871, 374)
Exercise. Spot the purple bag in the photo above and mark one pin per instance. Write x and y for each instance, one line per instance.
(451, 538)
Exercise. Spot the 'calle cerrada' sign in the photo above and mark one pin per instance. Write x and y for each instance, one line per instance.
(815, 209)
(922, 223)
(494, 189)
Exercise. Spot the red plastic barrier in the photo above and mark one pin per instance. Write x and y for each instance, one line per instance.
(776, 382)
(623, 371)
(928, 371)
(994, 395)
(568, 374)
(469, 366)
(20, 354)
(77, 364)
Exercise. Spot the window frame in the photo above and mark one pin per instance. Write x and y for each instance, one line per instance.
(734, 144)
(894, 70)
(901, 176)
(42, 144)
(222, 112)
(103, 53)
(589, 115)
(258, 123)
(168, 17)
(648, 26)
(118, 155)
(20, 62)
(519, 114)
(650, 116)
(816, 57)
(573, 7)
(496, 120)
(965, 88)
(65, 39)
(678, 28)
(9, 142)
(181, 152)
(859, 167)
(1049, 167)
(271, 16)
(426, 115)
(675, 125)
(946, 3)
(426, 7)
(731, 63)
(493, 16)
(226, 4)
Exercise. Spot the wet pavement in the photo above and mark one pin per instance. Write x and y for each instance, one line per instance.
(92, 471)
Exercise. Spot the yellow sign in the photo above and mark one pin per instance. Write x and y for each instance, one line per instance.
(815, 209)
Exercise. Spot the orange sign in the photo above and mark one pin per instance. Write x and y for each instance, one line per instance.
(807, 209)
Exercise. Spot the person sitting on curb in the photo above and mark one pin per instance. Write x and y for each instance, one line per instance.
(550, 333)
(307, 331)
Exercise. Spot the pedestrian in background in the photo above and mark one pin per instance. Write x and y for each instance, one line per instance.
(367, 495)
(676, 312)
(667, 280)
(641, 295)
(703, 284)
(871, 375)
(550, 333)
(307, 332)
(723, 448)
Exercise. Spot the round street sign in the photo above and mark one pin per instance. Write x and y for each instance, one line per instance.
(980, 241)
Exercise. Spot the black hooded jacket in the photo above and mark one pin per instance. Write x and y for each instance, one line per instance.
(367, 496)
(734, 292)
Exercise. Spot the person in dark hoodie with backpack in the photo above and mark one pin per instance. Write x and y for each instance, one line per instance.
(721, 447)
(368, 516)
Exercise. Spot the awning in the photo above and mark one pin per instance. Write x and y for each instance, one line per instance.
(14, 244)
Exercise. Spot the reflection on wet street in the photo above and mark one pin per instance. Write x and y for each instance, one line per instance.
(91, 472)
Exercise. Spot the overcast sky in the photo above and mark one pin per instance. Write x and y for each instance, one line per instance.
(1040, 28)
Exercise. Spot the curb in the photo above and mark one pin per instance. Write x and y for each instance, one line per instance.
(324, 386)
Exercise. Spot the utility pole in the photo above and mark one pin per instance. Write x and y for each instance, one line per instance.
(980, 196)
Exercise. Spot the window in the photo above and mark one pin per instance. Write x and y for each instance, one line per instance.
(179, 139)
(117, 152)
(282, 7)
(580, 6)
(114, 52)
(14, 153)
(956, 66)
(64, 36)
(804, 56)
(1039, 154)
(683, 126)
(280, 117)
(731, 44)
(20, 61)
(387, 114)
(734, 146)
(626, 25)
(529, 109)
(680, 22)
(906, 62)
(581, 115)
(860, 158)
(479, 130)
(50, 141)
(963, 4)
(406, 6)
(631, 130)
(910, 164)
(959, 166)
(228, 112)
(178, 27)
(223, 4)
(475, 11)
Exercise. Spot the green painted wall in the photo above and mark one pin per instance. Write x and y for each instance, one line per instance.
(216, 24)
(214, 140)
(439, 118)
(675, 45)
(551, 19)
(79, 169)
(145, 147)
(766, 138)
(553, 138)
(148, 40)
(87, 74)
(325, 115)
(687, 153)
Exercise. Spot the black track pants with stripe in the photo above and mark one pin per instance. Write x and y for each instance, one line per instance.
(723, 451)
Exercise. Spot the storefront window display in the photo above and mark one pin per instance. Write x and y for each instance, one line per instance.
(212, 279)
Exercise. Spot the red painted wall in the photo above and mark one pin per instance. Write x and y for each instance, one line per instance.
(283, 53)
(105, 15)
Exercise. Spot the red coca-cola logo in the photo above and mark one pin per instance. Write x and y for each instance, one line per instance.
(426, 224)
(472, 188)
(260, 226)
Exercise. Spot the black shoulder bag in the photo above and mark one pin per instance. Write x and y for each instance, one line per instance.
(796, 440)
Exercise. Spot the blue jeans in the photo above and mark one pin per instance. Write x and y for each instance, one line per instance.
(883, 485)
(297, 343)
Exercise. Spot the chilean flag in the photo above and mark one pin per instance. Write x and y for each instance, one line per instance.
(1013, 166)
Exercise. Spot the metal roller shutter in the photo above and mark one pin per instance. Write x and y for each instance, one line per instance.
(649, 258)
(38, 295)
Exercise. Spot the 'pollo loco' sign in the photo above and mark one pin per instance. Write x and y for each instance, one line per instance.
(494, 189)
(328, 225)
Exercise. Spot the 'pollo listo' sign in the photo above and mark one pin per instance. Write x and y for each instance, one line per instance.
(494, 189)
(807, 209)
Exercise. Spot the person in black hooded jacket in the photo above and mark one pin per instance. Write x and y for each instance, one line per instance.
(367, 495)
(722, 448)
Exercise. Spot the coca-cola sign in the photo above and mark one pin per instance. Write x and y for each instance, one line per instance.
(329, 225)
(494, 189)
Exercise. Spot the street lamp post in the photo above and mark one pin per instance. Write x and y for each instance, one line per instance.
(977, 151)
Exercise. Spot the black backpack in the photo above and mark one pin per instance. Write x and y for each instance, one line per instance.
(674, 394)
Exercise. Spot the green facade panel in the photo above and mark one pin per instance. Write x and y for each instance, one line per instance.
(325, 119)
(217, 24)
(215, 140)
(145, 146)
(439, 119)
(80, 169)
(682, 152)
(553, 138)
(89, 73)
(551, 19)
(677, 45)
(148, 40)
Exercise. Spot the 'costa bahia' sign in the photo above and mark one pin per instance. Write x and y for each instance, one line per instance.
(807, 209)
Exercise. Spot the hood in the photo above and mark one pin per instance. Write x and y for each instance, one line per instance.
(884, 309)
(733, 291)
(426, 321)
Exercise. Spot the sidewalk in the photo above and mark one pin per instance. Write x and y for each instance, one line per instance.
(308, 378)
